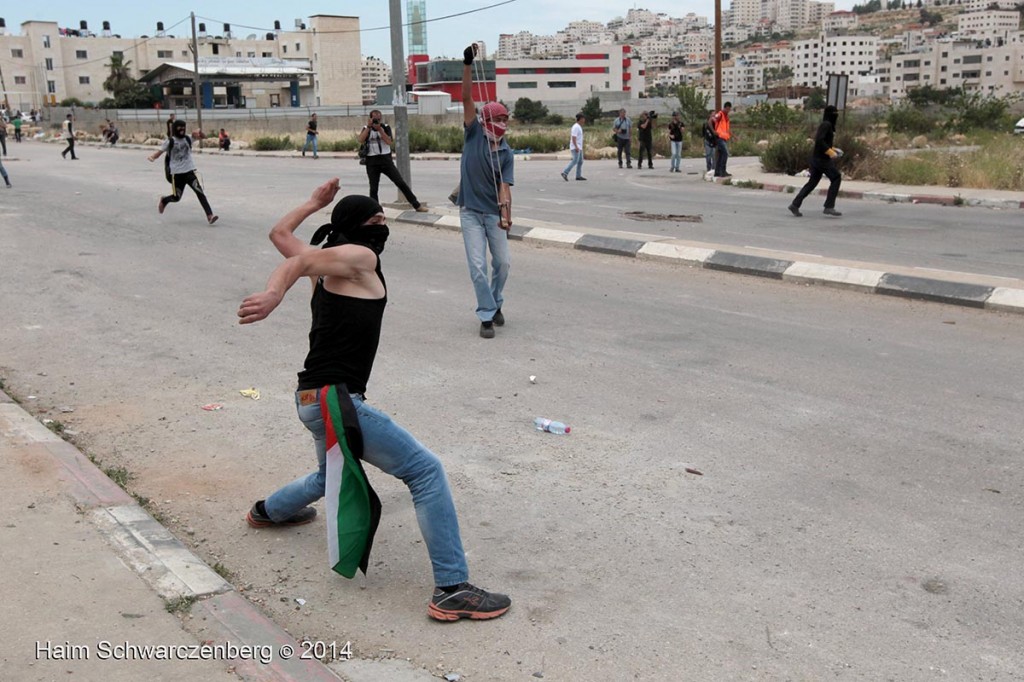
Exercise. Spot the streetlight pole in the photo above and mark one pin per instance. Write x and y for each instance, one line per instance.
(401, 139)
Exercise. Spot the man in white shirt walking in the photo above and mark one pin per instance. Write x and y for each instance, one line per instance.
(576, 149)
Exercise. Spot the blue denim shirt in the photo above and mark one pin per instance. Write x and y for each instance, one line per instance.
(480, 170)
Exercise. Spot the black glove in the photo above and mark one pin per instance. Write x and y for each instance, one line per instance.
(468, 54)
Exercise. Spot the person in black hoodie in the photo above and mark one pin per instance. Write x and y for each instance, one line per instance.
(823, 163)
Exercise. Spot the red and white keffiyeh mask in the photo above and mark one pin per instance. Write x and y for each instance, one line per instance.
(490, 113)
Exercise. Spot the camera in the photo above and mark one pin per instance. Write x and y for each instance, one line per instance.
(376, 121)
(652, 114)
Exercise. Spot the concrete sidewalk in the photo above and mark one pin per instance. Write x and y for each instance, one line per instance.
(95, 589)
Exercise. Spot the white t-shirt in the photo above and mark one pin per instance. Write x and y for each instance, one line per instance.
(375, 144)
(576, 137)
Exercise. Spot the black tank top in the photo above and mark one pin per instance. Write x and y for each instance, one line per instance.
(343, 339)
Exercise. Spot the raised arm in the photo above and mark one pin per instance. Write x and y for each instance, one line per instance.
(283, 233)
(468, 106)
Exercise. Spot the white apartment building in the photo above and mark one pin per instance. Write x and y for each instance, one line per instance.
(744, 12)
(736, 33)
(817, 11)
(602, 68)
(585, 31)
(743, 78)
(815, 59)
(840, 21)
(44, 64)
(979, 5)
(996, 69)
(697, 47)
(376, 73)
(988, 22)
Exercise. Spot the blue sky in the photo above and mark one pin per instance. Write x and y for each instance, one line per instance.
(444, 38)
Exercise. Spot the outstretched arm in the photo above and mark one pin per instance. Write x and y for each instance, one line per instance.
(468, 107)
(283, 233)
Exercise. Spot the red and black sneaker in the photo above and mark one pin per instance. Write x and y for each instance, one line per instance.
(467, 601)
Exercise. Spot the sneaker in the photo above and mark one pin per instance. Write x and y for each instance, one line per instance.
(160, 206)
(629, 165)
(581, 178)
(832, 212)
(565, 176)
(257, 517)
(620, 165)
(498, 318)
(795, 211)
(487, 329)
(422, 208)
(467, 602)
(303, 153)
(211, 219)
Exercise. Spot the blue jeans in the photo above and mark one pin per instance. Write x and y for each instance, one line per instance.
(721, 156)
(677, 153)
(310, 138)
(709, 155)
(393, 450)
(577, 160)
(480, 230)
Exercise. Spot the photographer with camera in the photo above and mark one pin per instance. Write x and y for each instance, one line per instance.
(376, 135)
(622, 129)
(645, 133)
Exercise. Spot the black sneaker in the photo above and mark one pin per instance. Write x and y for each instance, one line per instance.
(584, 179)
(257, 517)
(795, 211)
(498, 318)
(487, 329)
(467, 602)
(565, 176)
(832, 212)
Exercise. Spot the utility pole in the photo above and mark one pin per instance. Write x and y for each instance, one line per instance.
(398, 84)
(3, 88)
(718, 55)
(195, 78)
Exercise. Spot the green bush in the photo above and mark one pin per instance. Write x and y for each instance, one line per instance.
(538, 142)
(271, 144)
(447, 140)
(72, 102)
(912, 170)
(973, 112)
(773, 116)
(555, 120)
(349, 144)
(910, 120)
(787, 154)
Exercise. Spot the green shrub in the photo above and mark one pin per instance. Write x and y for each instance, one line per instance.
(271, 144)
(539, 142)
(773, 116)
(912, 170)
(349, 144)
(72, 102)
(972, 111)
(910, 120)
(555, 120)
(789, 154)
(446, 140)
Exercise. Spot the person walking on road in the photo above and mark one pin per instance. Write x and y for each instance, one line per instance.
(645, 136)
(178, 148)
(69, 136)
(3, 136)
(311, 135)
(485, 199)
(348, 302)
(710, 144)
(823, 163)
(17, 127)
(3, 173)
(377, 137)
(576, 149)
(676, 128)
(622, 127)
(719, 122)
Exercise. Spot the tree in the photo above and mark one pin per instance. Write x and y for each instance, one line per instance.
(693, 106)
(127, 92)
(528, 111)
(816, 100)
(592, 109)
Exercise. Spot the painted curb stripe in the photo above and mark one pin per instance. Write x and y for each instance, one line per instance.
(615, 246)
(544, 234)
(971, 295)
(835, 275)
(747, 265)
(1006, 299)
(673, 252)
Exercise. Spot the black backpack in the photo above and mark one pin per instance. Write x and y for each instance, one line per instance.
(710, 136)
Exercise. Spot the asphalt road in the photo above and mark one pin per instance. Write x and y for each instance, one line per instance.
(860, 510)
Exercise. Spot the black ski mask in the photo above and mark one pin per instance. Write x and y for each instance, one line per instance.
(831, 115)
(347, 225)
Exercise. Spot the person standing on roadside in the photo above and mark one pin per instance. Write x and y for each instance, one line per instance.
(3, 135)
(377, 137)
(348, 301)
(622, 127)
(676, 128)
(17, 127)
(823, 163)
(3, 173)
(69, 136)
(311, 134)
(645, 136)
(485, 199)
(719, 122)
(576, 149)
(178, 148)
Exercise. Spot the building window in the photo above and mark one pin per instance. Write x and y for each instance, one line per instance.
(49, 63)
(251, 55)
(17, 54)
(81, 54)
(216, 48)
(267, 55)
(561, 84)
(51, 87)
(284, 48)
(238, 54)
(522, 85)
(164, 54)
(298, 47)
(83, 80)
(46, 42)
(19, 80)
(118, 54)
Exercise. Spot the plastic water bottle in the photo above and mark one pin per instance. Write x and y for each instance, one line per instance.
(543, 424)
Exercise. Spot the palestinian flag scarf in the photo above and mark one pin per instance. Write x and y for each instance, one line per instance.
(353, 508)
